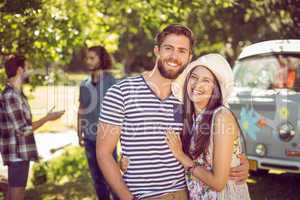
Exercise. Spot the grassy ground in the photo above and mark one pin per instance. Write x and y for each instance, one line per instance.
(264, 187)
(275, 186)
(79, 189)
(272, 186)
(64, 177)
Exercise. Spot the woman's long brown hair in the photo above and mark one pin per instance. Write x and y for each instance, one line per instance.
(202, 133)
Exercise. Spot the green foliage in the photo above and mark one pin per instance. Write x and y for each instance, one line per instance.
(69, 166)
(50, 32)
(63, 177)
(234, 24)
(39, 173)
(2, 79)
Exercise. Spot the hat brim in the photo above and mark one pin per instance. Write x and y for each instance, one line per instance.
(218, 65)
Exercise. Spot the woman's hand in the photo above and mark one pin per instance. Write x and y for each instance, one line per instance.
(174, 142)
(124, 163)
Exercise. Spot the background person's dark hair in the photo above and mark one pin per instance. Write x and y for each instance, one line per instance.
(105, 59)
(204, 126)
(12, 64)
(177, 29)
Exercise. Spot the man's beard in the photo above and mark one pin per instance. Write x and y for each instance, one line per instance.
(93, 69)
(169, 74)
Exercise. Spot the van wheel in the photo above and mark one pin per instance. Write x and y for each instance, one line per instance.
(259, 172)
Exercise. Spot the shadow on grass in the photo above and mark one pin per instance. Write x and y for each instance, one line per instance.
(79, 189)
(275, 187)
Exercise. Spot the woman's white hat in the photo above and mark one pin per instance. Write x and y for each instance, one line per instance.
(218, 65)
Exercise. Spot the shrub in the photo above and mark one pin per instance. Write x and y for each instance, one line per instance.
(69, 166)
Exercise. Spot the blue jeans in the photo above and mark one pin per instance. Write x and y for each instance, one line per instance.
(100, 185)
(18, 173)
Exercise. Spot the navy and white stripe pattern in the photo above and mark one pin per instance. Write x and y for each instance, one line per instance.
(152, 170)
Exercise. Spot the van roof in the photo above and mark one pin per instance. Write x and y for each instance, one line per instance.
(271, 46)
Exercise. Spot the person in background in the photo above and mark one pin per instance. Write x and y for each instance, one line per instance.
(92, 91)
(17, 143)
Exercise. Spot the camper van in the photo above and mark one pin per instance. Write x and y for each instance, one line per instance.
(266, 101)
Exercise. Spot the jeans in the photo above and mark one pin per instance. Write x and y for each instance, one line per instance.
(18, 173)
(100, 184)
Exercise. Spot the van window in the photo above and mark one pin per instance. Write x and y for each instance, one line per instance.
(269, 72)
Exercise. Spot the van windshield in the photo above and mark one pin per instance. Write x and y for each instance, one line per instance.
(277, 71)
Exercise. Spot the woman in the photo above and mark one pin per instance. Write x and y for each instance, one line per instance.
(211, 134)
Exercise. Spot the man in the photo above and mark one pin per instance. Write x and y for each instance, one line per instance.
(92, 91)
(139, 110)
(17, 143)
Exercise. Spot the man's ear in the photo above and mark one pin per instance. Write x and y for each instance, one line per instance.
(156, 51)
(190, 58)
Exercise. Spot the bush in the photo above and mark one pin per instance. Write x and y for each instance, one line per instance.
(39, 173)
(69, 166)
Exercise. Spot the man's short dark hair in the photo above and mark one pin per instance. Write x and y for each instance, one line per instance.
(177, 29)
(12, 64)
(105, 59)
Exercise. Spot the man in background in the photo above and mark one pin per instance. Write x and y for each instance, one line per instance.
(17, 143)
(92, 91)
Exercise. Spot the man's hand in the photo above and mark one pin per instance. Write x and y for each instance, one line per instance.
(51, 116)
(240, 173)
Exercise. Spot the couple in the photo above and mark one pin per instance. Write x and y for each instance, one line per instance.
(140, 111)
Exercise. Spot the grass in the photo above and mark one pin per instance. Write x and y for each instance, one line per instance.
(276, 186)
(271, 186)
(65, 176)
(78, 189)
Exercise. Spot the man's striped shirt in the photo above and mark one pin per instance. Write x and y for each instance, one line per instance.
(144, 119)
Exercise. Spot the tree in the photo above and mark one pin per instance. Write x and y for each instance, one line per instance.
(51, 32)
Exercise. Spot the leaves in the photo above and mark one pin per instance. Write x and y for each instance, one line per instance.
(52, 31)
